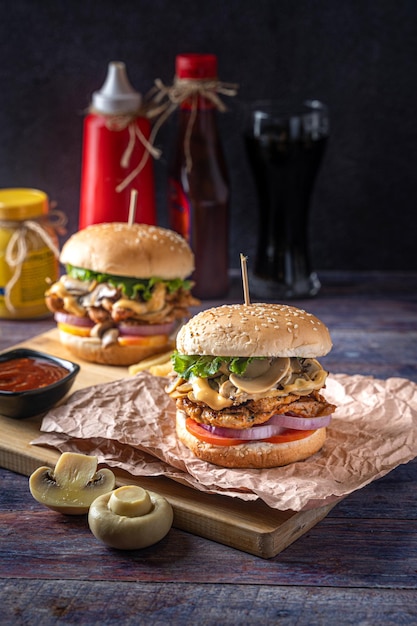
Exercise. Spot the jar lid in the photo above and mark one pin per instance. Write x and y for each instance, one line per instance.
(196, 66)
(20, 203)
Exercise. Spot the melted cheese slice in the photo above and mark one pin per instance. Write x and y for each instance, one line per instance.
(202, 392)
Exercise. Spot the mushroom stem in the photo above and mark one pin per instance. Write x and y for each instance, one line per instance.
(130, 501)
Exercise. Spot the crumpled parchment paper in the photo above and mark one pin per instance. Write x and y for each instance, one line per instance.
(130, 424)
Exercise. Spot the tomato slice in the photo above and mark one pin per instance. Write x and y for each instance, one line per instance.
(146, 329)
(80, 331)
(291, 434)
(194, 428)
(153, 341)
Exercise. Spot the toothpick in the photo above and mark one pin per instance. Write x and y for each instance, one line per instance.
(243, 260)
(132, 206)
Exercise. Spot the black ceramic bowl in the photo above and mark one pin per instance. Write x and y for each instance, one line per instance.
(21, 404)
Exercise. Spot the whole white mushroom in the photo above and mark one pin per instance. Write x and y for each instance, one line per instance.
(130, 518)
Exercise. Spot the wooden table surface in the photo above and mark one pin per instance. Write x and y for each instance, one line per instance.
(357, 566)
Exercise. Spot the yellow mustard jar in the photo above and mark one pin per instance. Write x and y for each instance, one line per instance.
(29, 252)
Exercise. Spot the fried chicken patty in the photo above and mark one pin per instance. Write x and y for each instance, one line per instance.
(255, 412)
(100, 302)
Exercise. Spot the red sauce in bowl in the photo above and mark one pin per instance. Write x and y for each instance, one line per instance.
(27, 373)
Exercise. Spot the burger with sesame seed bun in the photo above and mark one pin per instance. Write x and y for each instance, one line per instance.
(124, 294)
(247, 385)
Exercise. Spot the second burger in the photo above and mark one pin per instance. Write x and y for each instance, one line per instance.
(248, 385)
(124, 293)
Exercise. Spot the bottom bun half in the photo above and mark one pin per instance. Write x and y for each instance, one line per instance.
(256, 455)
(91, 349)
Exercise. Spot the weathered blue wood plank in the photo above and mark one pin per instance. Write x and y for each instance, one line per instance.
(136, 603)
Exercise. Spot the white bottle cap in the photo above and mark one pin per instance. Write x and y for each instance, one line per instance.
(117, 95)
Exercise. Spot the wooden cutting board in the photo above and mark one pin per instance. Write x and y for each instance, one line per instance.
(249, 526)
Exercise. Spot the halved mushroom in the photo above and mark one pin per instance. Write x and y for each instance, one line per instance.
(73, 485)
(261, 375)
(130, 518)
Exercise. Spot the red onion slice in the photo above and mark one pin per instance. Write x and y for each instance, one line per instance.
(73, 320)
(300, 423)
(247, 434)
(274, 426)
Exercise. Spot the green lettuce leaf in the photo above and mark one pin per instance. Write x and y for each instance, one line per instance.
(187, 365)
(132, 288)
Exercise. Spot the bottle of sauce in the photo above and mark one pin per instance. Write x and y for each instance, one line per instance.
(115, 159)
(198, 183)
(28, 253)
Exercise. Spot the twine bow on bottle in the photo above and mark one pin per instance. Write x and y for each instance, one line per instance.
(121, 122)
(166, 99)
(17, 247)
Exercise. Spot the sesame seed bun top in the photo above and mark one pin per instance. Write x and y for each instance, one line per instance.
(254, 330)
(136, 250)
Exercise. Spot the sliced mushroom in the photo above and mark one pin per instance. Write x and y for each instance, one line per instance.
(73, 485)
(102, 291)
(310, 376)
(178, 387)
(312, 368)
(130, 518)
(99, 329)
(74, 286)
(227, 389)
(261, 375)
(109, 337)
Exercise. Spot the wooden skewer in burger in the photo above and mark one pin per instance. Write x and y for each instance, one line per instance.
(124, 293)
(248, 384)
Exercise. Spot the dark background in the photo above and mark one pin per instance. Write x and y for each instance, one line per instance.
(357, 56)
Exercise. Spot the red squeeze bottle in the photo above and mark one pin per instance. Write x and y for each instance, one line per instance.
(112, 150)
(198, 195)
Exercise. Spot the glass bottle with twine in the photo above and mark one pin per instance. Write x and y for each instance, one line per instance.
(29, 251)
(198, 196)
